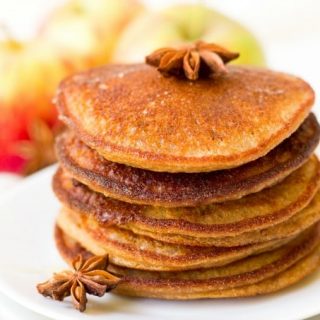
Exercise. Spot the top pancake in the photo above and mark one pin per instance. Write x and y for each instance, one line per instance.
(133, 115)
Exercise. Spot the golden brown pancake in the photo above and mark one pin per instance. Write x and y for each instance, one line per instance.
(253, 212)
(132, 115)
(254, 275)
(186, 189)
(289, 228)
(135, 251)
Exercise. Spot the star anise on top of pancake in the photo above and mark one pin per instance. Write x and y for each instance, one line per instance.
(89, 277)
(193, 61)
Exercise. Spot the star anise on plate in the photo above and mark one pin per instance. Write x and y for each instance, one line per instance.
(193, 61)
(89, 277)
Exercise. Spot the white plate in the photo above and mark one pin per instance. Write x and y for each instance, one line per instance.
(28, 256)
(10, 310)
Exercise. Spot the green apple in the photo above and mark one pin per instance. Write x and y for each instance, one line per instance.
(87, 30)
(184, 24)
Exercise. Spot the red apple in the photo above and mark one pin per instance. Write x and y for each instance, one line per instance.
(29, 75)
(79, 35)
(83, 34)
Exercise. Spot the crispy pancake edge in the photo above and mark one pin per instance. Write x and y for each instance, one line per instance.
(140, 252)
(188, 189)
(109, 211)
(194, 289)
(290, 228)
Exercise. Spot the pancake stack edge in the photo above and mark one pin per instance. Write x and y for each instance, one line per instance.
(198, 219)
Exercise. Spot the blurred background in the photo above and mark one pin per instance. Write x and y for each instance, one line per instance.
(41, 42)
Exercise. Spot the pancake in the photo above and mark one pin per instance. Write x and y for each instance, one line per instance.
(132, 115)
(135, 251)
(253, 212)
(182, 189)
(254, 275)
(289, 228)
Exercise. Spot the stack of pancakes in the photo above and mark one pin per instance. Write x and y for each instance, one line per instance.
(197, 189)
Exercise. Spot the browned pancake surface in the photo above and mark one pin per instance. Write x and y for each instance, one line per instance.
(131, 114)
(256, 211)
(181, 189)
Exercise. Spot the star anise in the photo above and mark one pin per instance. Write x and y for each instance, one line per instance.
(192, 61)
(89, 276)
